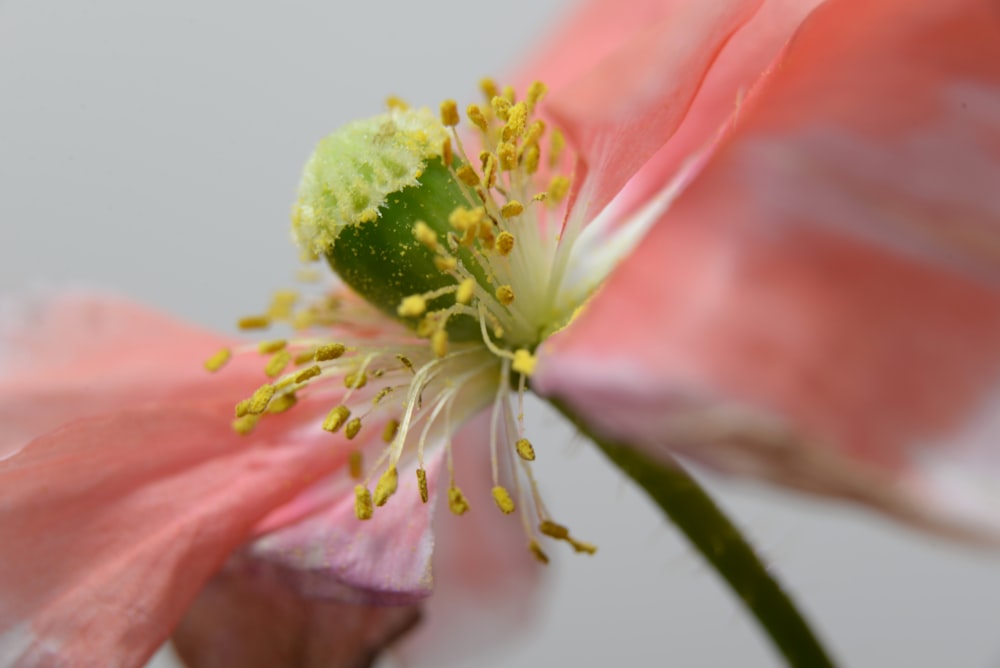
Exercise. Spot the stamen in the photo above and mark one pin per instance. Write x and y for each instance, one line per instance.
(477, 118)
(352, 428)
(449, 113)
(244, 425)
(511, 209)
(386, 486)
(536, 550)
(505, 295)
(412, 306)
(273, 346)
(439, 343)
(254, 322)
(260, 399)
(389, 432)
(456, 501)
(329, 351)
(363, 508)
(422, 484)
(336, 418)
(503, 500)
(524, 362)
(307, 374)
(282, 403)
(505, 243)
(355, 464)
(218, 360)
(465, 291)
(277, 363)
(525, 450)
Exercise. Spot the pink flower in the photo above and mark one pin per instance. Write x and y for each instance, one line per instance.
(796, 311)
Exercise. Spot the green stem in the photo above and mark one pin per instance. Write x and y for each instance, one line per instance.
(694, 512)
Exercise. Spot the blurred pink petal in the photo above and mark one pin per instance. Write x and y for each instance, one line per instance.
(111, 525)
(809, 310)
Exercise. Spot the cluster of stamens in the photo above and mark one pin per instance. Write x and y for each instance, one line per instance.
(414, 381)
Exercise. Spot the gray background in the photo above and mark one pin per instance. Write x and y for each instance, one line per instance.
(154, 148)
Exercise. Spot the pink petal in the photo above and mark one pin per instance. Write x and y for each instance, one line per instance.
(331, 554)
(111, 525)
(806, 311)
(660, 79)
(240, 620)
(72, 355)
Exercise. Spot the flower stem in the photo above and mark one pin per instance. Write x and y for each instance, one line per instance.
(718, 540)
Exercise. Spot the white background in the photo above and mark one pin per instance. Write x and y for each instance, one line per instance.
(154, 148)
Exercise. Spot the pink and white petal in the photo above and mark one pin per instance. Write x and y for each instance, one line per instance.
(244, 620)
(111, 525)
(69, 355)
(486, 582)
(766, 335)
(330, 554)
(629, 103)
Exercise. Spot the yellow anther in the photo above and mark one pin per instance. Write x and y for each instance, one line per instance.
(260, 399)
(439, 343)
(524, 362)
(382, 394)
(511, 209)
(553, 530)
(413, 306)
(389, 432)
(336, 418)
(355, 381)
(508, 156)
(386, 486)
(394, 102)
(468, 176)
(243, 408)
(308, 374)
(304, 357)
(282, 303)
(355, 463)
(556, 146)
(505, 295)
(445, 264)
(540, 197)
(508, 93)
(427, 326)
(558, 188)
(525, 450)
(536, 91)
(329, 351)
(489, 169)
(277, 363)
(466, 289)
(352, 428)
(218, 360)
(447, 153)
(580, 546)
(517, 119)
(477, 117)
(422, 485)
(535, 132)
(505, 243)
(268, 347)
(531, 158)
(449, 113)
(254, 322)
(503, 500)
(405, 361)
(244, 425)
(456, 501)
(282, 403)
(501, 107)
(363, 508)
(489, 87)
(536, 550)
(423, 233)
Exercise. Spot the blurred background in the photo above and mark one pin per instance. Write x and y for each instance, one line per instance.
(153, 149)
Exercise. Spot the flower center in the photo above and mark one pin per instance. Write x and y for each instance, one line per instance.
(456, 262)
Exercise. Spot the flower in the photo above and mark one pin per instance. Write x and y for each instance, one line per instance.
(146, 527)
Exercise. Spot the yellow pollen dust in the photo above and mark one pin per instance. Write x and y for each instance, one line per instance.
(363, 508)
(336, 418)
(218, 360)
(456, 501)
(503, 500)
(386, 486)
(525, 450)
